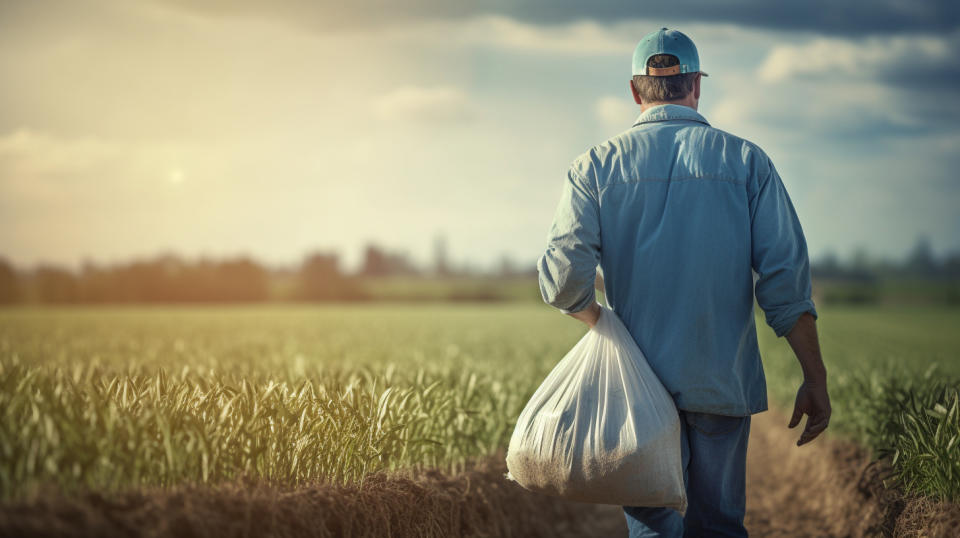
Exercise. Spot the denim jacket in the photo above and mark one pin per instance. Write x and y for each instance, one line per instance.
(679, 216)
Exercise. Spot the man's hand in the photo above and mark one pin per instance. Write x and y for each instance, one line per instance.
(813, 401)
(588, 315)
(812, 398)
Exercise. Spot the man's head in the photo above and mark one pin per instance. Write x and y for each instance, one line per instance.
(666, 69)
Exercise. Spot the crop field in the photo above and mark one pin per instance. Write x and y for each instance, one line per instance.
(135, 397)
(109, 399)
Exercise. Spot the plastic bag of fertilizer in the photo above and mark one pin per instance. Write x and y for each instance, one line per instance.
(601, 428)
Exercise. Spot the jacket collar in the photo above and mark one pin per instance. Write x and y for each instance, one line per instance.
(669, 112)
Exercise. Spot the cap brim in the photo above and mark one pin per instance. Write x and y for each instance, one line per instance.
(704, 74)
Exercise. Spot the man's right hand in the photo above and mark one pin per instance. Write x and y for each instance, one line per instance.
(813, 401)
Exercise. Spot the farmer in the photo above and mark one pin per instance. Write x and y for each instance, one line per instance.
(677, 213)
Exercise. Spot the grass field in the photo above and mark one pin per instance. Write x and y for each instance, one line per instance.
(117, 397)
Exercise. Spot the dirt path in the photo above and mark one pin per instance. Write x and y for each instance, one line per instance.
(813, 490)
(826, 488)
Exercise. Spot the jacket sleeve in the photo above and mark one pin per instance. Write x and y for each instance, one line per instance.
(778, 254)
(568, 268)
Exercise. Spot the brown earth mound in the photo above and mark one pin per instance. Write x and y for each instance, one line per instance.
(478, 502)
(827, 488)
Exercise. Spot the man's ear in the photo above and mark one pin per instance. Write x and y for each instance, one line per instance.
(696, 86)
(636, 96)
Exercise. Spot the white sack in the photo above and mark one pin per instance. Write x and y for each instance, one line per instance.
(601, 428)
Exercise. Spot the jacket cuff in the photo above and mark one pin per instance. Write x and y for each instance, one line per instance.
(783, 318)
(560, 298)
(582, 304)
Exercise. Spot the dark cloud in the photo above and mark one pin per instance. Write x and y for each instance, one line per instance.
(922, 71)
(919, 75)
(851, 18)
(854, 17)
(925, 67)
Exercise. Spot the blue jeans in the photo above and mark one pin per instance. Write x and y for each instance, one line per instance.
(714, 452)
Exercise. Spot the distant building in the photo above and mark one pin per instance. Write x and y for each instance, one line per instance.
(506, 267)
(320, 279)
(379, 262)
(441, 266)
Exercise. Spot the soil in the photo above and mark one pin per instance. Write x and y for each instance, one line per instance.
(826, 488)
(829, 487)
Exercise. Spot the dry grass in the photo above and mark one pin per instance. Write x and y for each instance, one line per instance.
(477, 502)
(830, 488)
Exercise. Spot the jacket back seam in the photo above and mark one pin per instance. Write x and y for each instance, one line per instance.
(666, 180)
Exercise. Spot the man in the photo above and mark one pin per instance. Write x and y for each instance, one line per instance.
(678, 215)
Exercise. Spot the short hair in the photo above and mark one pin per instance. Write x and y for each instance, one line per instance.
(670, 88)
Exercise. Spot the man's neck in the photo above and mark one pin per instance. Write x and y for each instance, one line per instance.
(692, 103)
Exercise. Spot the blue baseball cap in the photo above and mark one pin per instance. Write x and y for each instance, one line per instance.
(665, 41)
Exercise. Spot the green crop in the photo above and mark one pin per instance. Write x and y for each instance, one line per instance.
(136, 397)
(82, 426)
(112, 398)
(916, 424)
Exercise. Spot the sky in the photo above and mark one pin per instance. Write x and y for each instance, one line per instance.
(273, 129)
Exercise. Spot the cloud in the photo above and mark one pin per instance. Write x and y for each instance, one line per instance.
(43, 169)
(29, 153)
(615, 113)
(846, 111)
(897, 85)
(580, 38)
(441, 104)
(896, 58)
(855, 17)
(575, 38)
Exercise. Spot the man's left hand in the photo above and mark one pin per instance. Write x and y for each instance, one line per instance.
(813, 401)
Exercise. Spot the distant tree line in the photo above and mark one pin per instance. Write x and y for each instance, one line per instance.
(170, 278)
(319, 277)
(921, 277)
(920, 263)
